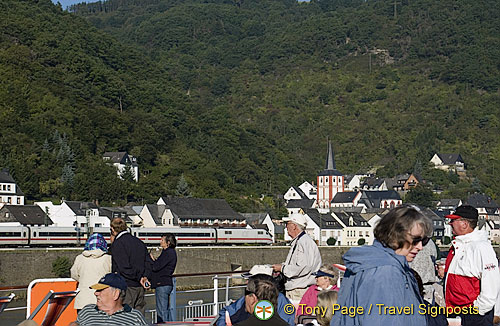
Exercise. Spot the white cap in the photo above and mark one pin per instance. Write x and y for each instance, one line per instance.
(259, 269)
(298, 219)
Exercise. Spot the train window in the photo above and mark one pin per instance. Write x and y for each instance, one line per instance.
(228, 232)
(10, 234)
(58, 234)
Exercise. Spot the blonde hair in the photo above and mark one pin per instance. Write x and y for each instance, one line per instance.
(327, 268)
(326, 299)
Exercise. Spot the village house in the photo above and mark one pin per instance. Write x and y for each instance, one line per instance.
(10, 193)
(123, 161)
(487, 208)
(74, 213)
(448, 162)
(201, 212)
(260, 221)
(354, 228)
(26, 215)
(154, 215)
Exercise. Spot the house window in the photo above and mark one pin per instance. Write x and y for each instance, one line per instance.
(8, 187)
(9, 200)
(18, 201)
(98, 225)
(7, 214)
(4, 187)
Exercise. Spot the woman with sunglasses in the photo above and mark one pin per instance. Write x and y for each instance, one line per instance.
(378, 282)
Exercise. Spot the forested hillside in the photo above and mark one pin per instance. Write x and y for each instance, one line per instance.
(239, 96)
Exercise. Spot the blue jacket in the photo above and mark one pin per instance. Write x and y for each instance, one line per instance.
(238, 304)
(377, 275)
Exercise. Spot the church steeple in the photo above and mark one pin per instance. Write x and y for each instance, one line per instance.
(330, 180)
(330, 157)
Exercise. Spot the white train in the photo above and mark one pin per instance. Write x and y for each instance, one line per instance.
(44, 236)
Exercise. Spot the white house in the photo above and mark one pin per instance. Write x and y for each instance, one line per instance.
(353, 182)
(309, 190)
(294, 193)
(201, 212)
(487, 208)
(74, 213)
(447, 162)
(157, 215)
(294, 206)
(354, 228)
(122, 161)
(260, 220)
(346, 199)
(10, 193)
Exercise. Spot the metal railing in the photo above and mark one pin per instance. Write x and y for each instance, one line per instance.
(194, 308)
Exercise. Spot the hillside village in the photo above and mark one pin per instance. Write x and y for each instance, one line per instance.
(340, 209)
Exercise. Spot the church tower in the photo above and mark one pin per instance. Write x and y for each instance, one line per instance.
(330, 180)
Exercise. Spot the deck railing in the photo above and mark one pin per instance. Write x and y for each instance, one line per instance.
(194, 308)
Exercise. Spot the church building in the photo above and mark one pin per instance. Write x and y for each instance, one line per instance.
(330, 181)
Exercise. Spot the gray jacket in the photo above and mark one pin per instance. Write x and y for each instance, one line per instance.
(301, 262)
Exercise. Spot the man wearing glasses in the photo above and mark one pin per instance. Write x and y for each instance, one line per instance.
(472, 277)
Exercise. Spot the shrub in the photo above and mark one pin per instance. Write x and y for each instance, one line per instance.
(361, 241)
(331, 241)
(61, 267)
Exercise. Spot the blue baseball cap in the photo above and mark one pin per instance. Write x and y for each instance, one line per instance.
(113, 280)
(321, 273)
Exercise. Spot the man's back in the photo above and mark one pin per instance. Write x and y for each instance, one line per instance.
(129, 257)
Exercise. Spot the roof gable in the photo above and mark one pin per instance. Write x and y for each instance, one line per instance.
(24, 214)
(450, 159)
(202, 208)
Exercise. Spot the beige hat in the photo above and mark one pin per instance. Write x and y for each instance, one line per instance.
(259, 269)
(298, 219)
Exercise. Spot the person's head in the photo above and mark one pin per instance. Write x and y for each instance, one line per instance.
(96, 241)
(260, 287)
(117, 225)
(326, 276)
(464, 220)
(326, 299)
(405, 230)
(109, 292)
(295, 224)
(168, 241)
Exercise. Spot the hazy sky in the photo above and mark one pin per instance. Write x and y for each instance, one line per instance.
(66, 3)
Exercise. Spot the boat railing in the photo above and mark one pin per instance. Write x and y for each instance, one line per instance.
(194, 308)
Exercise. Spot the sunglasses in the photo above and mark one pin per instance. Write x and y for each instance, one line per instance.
(415, 241)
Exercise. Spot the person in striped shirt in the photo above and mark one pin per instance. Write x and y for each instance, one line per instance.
(109, 309)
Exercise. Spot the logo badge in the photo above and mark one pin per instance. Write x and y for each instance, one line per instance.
(263, 310)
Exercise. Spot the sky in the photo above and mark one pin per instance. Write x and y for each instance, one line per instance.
(66, 3)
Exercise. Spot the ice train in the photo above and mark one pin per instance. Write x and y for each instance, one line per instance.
(46, 236)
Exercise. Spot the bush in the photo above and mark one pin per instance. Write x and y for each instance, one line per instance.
(331, 241)
(61, 267)
(446, 240)
(361, 241)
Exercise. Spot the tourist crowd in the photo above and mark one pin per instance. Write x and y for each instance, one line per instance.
(398, 280)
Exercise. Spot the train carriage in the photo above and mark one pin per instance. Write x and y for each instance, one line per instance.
(49, 236)
(242, 236)
(184, 236)
(14, 235)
